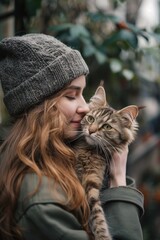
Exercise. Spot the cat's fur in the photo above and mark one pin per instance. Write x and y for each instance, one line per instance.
(105, 131)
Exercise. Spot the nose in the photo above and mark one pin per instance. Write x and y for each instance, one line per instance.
(83, 107)
(93, 128)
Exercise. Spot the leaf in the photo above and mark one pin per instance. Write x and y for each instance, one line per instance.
(88, 50)
(129, 37)
(101, 58)
(78, 30)
(60, 27)
(128, 74)
(101, 17)
(115, 65)
(156, 36)
(123, 38)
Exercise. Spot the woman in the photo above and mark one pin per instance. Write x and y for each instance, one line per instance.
(41, 198)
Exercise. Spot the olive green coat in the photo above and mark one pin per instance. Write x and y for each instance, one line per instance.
(42, 217)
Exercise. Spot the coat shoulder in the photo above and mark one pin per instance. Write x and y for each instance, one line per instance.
(33, 192)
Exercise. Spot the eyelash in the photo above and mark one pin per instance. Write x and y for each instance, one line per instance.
(70, 98)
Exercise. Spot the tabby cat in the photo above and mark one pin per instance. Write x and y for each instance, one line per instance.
(104, 131)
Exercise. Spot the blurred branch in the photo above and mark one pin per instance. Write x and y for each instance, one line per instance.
(47, 10)
(6, 15)
(21, 16)
(133, 10)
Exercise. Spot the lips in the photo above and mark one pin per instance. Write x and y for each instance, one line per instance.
(76, 123)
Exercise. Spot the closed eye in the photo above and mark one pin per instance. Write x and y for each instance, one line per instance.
(70, 97)
(107, 127)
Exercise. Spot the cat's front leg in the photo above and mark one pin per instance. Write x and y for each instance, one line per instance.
(97, 220)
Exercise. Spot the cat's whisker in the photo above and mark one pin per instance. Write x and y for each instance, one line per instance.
(78, 135)
(108, 143)
(103, 148)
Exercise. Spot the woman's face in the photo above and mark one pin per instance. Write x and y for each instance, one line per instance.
(73, 105)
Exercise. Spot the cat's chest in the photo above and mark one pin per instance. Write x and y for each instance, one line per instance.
(89, 160)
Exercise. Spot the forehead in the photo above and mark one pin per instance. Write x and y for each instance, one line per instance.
(103, 115)
(101, 112)
(79, 82)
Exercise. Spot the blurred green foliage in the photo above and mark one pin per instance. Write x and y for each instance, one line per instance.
(110, 46)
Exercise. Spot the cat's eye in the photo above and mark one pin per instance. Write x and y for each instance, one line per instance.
(107, 127)
(90, 118)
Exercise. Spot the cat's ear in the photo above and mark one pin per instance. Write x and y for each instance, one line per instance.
(98, 99)
(129, 113)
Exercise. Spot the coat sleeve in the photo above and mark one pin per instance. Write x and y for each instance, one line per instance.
(123, 207)
(50, 222)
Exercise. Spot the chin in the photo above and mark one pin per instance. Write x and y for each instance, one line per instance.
(71, 135)
(90, 140)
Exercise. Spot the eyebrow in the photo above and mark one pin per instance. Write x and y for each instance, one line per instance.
(73, 87)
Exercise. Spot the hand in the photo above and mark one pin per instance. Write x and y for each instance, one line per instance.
(118, 168)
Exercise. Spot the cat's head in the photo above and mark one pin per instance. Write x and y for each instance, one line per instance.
(106, 126)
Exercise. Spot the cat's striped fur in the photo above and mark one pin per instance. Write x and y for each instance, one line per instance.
(104, 131)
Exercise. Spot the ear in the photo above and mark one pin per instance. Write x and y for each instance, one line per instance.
(129, 113)
(98, 99)
(131, 110)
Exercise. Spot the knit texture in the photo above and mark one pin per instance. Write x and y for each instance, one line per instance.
(35, 66)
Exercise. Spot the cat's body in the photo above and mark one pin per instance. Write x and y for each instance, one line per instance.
(105, 131)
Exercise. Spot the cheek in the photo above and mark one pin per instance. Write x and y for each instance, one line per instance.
(85, 129)
(68, 110)
(111, 137)
(85, 126)
(115, 137)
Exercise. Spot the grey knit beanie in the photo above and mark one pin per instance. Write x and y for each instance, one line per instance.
(34, 67)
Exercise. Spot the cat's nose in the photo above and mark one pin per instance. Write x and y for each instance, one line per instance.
(93, 128)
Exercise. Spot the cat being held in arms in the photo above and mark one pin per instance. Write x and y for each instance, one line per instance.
(104, 131)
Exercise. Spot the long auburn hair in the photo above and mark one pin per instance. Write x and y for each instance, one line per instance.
(36, 144)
